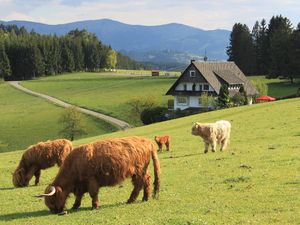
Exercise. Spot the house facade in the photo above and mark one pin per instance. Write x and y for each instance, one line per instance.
(200, 77)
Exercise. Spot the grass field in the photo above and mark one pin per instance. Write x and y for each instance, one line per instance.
(104, 93)
(109, 94)
(278, 88)
(255, 181)
(26, 120)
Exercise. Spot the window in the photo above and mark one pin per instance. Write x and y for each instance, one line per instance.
(182, 100)
(184, 87)
(205, 87)
(192, 73)
(200, 87)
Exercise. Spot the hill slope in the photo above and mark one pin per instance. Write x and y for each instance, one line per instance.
(26, 119)
(168, 43)
(255, 181)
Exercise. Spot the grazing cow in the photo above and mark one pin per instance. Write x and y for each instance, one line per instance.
(39, 157)
(104, 163)
(213, 133)
(163, 140)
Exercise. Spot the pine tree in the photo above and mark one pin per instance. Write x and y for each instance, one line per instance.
(5, 70)
(294, 55)
(223, 100)
(279, 32)
(241, 49)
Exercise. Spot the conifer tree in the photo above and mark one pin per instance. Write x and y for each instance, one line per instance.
(5, 70)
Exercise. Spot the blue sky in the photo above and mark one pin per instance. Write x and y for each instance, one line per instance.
(206, 14)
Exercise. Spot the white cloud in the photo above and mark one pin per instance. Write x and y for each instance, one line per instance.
(205, 14)
(18, 16)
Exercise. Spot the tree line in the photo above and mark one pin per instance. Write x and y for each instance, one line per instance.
(27, 55)
(271, 49)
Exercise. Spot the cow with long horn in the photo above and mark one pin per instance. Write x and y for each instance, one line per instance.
(104, 163)
(39, 157)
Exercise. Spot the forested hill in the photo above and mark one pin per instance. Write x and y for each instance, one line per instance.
(167, 43)
(25, 55)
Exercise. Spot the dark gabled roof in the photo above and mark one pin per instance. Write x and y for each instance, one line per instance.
(212, 71)
(228, 76)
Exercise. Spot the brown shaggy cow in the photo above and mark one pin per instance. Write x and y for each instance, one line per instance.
(39, 157)
(104, 163)
(163, 140)
(213, 133)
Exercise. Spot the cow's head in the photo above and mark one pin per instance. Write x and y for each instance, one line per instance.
(196, 128)
(19, 178)
(55, 199)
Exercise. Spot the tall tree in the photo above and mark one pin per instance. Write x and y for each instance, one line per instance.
(241, 49)
(5, 70)
(294, 55)
(279, 32)
(259, 35)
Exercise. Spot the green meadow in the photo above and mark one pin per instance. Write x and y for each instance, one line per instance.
(104, 93)
(25, 120)
(255, 181)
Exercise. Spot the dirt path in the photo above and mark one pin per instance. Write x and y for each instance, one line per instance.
(119, 123)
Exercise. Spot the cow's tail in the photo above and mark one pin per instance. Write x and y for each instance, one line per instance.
(156, 166)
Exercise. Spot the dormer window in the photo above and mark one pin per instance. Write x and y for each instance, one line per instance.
(192, 73)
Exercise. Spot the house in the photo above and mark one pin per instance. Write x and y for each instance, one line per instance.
(208, 76)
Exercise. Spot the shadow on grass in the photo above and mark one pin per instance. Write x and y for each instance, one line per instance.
(6, 188)
(89, 208)
(180, 156)
(23, 215)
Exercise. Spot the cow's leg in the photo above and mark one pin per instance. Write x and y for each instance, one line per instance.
(168, 146)
(93, 189)
(224, 144)
(213, 145)
(137, 182)
(206, 144)
(77, 202)
(30, 174)
(160, 146)
(146, 184)
(37, 175)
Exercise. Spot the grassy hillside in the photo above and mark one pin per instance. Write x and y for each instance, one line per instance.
(104, 93)
(109, 94)
(26, 120)
(278, 88)
(255, 181)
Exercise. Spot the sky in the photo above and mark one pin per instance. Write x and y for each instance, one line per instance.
(205, 14)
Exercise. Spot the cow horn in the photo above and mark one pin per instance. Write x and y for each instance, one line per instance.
(52, 192)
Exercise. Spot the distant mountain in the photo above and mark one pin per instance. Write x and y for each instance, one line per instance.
(167, 43)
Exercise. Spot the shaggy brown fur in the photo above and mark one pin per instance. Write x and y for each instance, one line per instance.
(163, 140)
(213, 133)
(38, 157)
(104, 163)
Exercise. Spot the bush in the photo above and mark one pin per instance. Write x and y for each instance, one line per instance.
(261, 87)
(153, 115)
(138, 105)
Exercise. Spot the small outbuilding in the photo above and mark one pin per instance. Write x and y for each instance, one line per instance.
(155, 73)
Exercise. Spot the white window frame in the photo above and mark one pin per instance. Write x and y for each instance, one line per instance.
(182, 103)
(192, 72)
